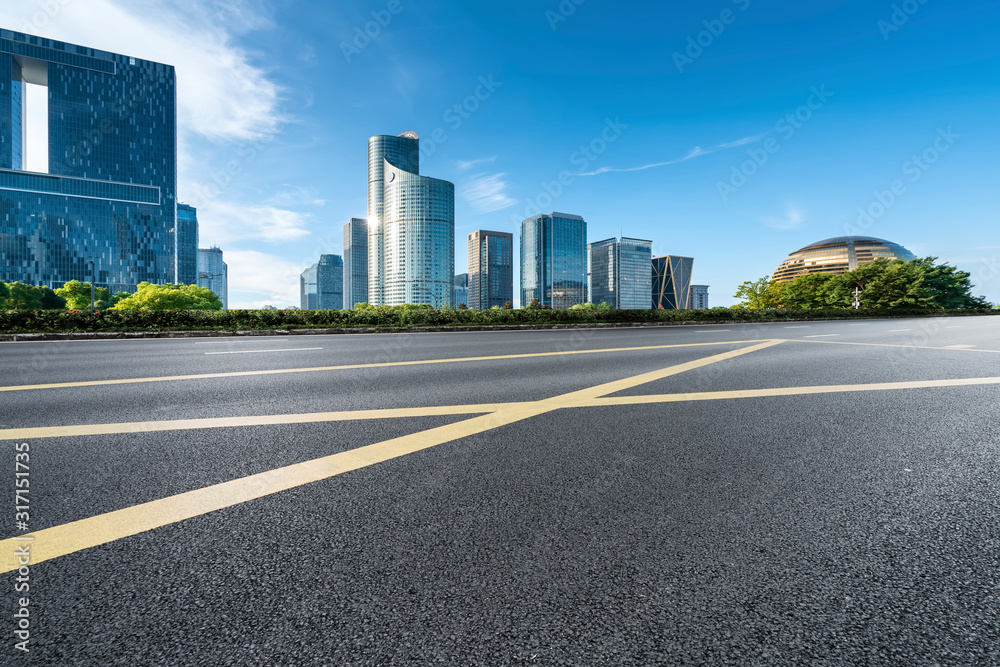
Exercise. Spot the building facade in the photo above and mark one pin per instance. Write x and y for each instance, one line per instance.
(108, 191)
(461, 290)
(355, 262)
(672, 282)
(839, 255)
(554, 260)
(321, 286)
(187, 245)
(491, 269)
(213, 273)
(699, 297)
(411, 227)
(619, 273)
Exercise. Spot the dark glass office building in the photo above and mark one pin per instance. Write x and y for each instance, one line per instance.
(355, 262)
(554, 260)
(491, 269)
(187, 244)
(108, 192)
(322, 284)
(672, 282)
(619, 272)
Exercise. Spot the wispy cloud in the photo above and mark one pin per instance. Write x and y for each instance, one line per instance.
(226, 222)
(792, 219)
(487, 193)
(259, 279)
(695, 152)
(466, 166)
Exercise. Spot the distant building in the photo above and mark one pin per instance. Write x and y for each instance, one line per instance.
(104, 188)
(491, 269)
(411, 227)
(213, 273)
(269, 307)
(672, 282)
(554, 260)
(321, 286)
(839, 255)
(187, 245)
(355, 262)
(619, 273)
(699, 297)
(461, 289)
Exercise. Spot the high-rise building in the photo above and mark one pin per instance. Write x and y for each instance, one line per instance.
(213, 273)
(619, 273)
(699, 297)
(411, 227)
(355, 262)
(321, 286)
(672, 282)
(461, 290)
(554, 260)
(491, 269)
(105, 190)
(187, 244)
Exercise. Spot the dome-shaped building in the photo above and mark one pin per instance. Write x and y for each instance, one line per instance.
(838, 255)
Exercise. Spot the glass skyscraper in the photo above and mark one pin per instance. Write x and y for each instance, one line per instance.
(672, 282)
(321, 286)
(411, 227)
(554, 260)
(461, 290)
(108, 192)
(355, 262)
(213, 273)
(491, 269)
(699, 297)
(187, 244)
(620, 274)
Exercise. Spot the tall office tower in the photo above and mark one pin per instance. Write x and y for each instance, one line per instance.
(672, 282)
(554, 260)
(355, 262)
(620, 273)
(699, 297)
(411, 227)
(491, 269)
(321, 286)
(213, 273)
(461, 290)
(187, 245)
(104, 190)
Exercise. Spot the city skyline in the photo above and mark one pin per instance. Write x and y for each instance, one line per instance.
(846, 120)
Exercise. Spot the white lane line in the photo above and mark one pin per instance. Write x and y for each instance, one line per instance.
(899, 330)
(715, 331)
(959, 347)
(823, 336)
(235, 340)
(798, 327)
(293, 349)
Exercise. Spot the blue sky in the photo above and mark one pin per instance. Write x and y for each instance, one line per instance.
(733, 131)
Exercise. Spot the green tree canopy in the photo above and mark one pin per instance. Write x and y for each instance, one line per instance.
(4, 296)
(810, 291)
(77, 296)
(24, 297)
(760, 294)
(170, 297)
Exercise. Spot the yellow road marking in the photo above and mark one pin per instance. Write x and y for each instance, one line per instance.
(87, 533)
(784, 391)
(392, 364)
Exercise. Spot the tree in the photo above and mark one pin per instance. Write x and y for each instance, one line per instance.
(537, 305)
(760, 294)
(24, 297)
(809, 291)
(77, 296)
(361, 305)
(4, 295)
(170, 297)
(51, 300)
(507, 305)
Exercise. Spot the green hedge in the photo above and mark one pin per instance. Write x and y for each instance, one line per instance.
(55, 321)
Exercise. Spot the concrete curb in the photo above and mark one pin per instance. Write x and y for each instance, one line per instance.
(137, 335)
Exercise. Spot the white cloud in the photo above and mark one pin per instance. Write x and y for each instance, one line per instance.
(487, 193)
(226, 223)
(257, 279)
(792, 220)
(695, 152)
(465, 166)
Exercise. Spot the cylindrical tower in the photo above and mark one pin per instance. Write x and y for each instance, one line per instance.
(403, 152)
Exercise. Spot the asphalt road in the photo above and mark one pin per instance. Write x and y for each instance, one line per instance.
(811, 494)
